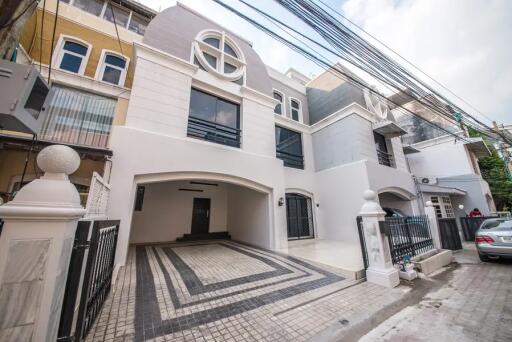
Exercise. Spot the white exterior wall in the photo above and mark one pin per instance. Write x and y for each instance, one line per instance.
(248, 213)
(345, 141)
(443, 159)
(153, 146)
(167, 212)
(398, 154)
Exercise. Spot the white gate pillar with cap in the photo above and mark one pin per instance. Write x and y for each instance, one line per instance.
(430, 211)
(35, 248)
(380, 270)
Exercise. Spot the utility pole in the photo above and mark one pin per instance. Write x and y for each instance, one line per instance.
(14, 14)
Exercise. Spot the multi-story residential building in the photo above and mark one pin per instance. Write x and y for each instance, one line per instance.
(446, 169)
(91, 75)
(215, 141)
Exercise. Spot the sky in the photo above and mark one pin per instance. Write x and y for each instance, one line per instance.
(463, 44)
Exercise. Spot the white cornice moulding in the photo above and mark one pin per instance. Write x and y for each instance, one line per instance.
(165, 59)
(259, 97)
(291, 124)
(351, 109)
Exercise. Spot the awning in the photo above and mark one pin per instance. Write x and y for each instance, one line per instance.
(408, 149)
(388, 128)
(436, 189)
(478, 147)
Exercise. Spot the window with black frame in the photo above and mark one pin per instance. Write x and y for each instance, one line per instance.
(214, 119)
(289, 147)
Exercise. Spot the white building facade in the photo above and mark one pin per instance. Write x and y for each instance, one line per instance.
(217, 143)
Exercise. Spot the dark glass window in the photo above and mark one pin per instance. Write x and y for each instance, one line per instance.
(215, 42)
(72, 57)
(114, 67)
(121, 15)
(92, 6)
(295, 110)
(111, 75)
(289, 147)
(214, 119)
(75, 47)
(229, 50)
(383, 156)
(279, 107)
(138, 24)
(71, 63)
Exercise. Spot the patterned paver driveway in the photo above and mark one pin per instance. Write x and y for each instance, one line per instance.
(226, 291)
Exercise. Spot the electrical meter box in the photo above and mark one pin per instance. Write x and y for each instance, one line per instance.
(24, 95)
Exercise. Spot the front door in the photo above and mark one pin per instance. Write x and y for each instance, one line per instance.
(201, 216)
(299, 216)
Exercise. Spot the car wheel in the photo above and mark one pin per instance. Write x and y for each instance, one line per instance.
(484, 257)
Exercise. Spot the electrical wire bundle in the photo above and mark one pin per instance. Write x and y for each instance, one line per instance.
(363, 55)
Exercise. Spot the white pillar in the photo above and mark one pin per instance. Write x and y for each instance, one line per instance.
(35, 248)
(430, 211)
(380, 270)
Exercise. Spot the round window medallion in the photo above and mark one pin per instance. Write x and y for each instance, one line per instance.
(219, 54)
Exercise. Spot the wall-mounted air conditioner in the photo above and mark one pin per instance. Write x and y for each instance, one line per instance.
(23, 97)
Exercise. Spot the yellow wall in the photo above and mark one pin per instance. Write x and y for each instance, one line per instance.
(31, 41)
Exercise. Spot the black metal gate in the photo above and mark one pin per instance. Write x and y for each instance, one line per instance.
(299, 215)
(362, 241)
(409, 236)
(95, 281)
(471, 224)
(449, 233)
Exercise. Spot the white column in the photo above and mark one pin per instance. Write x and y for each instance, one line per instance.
(380, 270)
(430, 211)
(35, 248)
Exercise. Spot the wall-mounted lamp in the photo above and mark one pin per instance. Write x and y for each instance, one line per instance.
(318, 205)
(280, 202)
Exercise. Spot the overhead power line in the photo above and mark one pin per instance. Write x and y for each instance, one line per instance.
(328, 65)
(405, 59)
(360, 53)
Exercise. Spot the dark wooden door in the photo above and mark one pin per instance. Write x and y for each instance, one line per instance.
(201, 216)
(299, 216)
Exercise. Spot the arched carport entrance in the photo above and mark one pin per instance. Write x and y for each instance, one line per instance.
(196, 206)
(398, 201)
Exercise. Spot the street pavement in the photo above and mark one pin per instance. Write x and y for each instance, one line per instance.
(472, 301)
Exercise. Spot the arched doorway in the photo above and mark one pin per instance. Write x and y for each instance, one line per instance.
(299, 216)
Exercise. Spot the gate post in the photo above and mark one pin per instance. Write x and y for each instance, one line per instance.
(381, 270)
(430, 211)
(35, 247)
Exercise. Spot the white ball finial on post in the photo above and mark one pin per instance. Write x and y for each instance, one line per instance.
(58, 159)
(429, 204)
(370, 206)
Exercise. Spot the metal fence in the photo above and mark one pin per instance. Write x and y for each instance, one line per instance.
(471, 224)
(362, 241)
(95, 243)
(449, 233)
(409, 236)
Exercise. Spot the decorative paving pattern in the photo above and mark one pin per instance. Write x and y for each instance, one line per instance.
(221, 291)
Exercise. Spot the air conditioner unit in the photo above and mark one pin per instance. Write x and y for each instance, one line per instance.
(23, 97)
(428, 180)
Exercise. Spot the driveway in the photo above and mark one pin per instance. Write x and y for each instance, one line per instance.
(227, 291)
(471, 303)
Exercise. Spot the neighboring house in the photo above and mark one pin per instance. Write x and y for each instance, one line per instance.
(215, 141)
(92, 73)
(446, 167)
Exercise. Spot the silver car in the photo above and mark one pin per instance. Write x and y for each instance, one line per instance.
(494, 239)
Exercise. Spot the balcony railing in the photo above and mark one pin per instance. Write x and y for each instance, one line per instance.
(385, 158)
(211, 131)
(291, 159)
